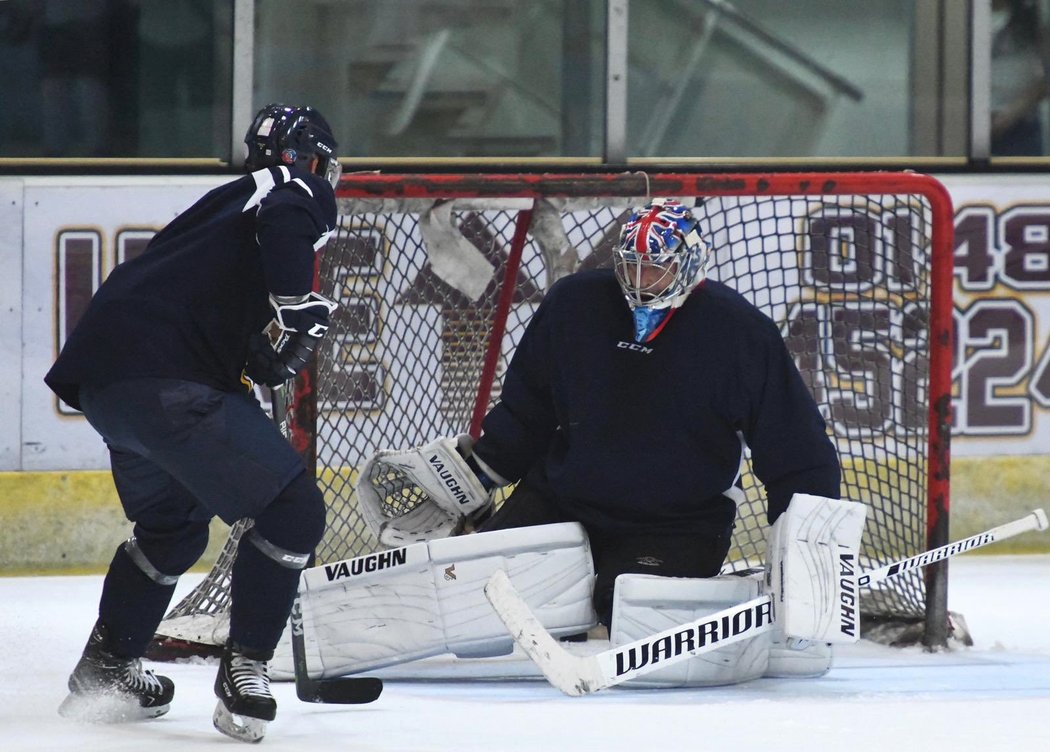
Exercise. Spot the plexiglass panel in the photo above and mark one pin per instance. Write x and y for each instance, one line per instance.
(115, 78)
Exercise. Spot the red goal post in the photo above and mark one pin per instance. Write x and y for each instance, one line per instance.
(437, 276)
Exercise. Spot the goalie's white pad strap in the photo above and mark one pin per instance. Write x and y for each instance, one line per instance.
(813, 566)
(428, 598)
(434, 482)
(647, 604)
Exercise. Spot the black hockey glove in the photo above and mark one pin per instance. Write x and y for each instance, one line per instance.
(303, 315)
(264, 365)
(304, 321)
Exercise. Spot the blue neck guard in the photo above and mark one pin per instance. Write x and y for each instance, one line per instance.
(647, 321)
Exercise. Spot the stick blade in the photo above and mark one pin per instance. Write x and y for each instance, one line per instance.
(349, 691)
(573, 675)
(1040, 519)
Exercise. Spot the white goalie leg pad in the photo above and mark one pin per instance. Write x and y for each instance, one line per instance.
(647, 604)
(428, 599)
(550, 565)
(370, 607)
(813, 554)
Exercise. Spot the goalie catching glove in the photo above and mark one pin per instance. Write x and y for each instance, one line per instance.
(414, 495)
(303, 321)
(813, 555)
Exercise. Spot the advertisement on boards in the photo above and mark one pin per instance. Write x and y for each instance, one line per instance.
(76, 229)
(1001, 297)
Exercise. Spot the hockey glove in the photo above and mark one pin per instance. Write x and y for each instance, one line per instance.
(304, 321)
(306, 315)
(264, 365)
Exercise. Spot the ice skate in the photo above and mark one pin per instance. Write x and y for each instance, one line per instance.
(243, 687)
(108, 688)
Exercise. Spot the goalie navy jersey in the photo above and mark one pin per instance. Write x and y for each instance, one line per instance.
(185, 307)
(649, 437)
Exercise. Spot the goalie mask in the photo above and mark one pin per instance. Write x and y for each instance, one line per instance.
(661, 257)
(294, 137)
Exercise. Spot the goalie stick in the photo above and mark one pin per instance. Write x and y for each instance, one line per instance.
(580, 675)
(345, 691)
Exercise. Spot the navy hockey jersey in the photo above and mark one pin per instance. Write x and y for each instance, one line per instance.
(648, 437)
(186, 306)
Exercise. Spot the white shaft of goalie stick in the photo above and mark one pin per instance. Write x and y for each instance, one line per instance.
(1034, 521)
(579, 675)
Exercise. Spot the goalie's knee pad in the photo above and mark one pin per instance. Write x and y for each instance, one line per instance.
(428, 599)
(646, 604)
(295, 520)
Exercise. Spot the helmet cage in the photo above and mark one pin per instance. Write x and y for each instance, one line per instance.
(661, 257)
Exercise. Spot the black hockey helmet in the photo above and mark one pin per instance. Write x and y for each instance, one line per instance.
(292, 136)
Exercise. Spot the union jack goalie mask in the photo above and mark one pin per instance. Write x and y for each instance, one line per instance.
(661, 257)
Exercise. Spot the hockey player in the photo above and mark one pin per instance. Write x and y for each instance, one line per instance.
(157, 365)
(640, 438)
(625, 413)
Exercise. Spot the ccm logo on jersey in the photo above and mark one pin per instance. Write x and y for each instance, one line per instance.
(362, 564)
(635, 347)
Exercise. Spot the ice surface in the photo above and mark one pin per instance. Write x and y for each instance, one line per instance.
(993, 696)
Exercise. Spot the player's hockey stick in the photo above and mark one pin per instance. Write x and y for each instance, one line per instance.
(350, 690)
(580, 675)
(345, 691)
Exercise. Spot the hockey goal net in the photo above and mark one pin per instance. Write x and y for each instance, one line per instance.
(437, 276)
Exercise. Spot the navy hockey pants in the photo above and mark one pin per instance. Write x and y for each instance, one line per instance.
(181, 453)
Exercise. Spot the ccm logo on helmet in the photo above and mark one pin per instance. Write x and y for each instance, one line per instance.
(634, 346)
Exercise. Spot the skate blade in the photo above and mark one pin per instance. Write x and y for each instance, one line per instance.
(107, 708)
(243, 728)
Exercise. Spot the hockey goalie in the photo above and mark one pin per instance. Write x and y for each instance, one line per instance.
(622, 424)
